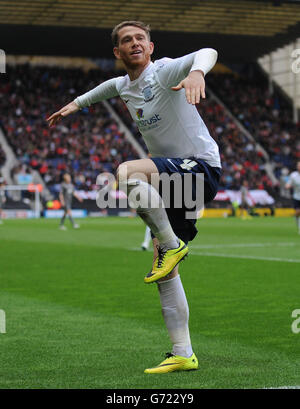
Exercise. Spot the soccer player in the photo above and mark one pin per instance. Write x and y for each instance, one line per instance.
(65, 196)
(244, 200)
(294, 183)
(161, 98)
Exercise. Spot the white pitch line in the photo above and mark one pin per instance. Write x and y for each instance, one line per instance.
(287, 260)
(204, 253)
(238, 245)
(285, 387)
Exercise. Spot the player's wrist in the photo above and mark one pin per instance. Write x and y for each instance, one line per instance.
(197, 72)
(77, 104)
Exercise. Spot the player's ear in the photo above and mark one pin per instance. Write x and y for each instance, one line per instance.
(151, 47)
(116, 53)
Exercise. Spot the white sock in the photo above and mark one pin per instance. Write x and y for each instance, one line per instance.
(149, 206)
(147, 237)
(175, 311)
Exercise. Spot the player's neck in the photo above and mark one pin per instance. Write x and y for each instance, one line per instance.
(135, 72)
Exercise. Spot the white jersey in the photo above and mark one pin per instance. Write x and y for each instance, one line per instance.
(169, 125)
(294, 181)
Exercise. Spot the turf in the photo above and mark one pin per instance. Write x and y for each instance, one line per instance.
(78, 314)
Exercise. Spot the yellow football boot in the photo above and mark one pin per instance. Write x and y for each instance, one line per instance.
(166, 261)
(175, 363)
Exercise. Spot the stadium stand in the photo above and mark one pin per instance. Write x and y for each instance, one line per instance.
(91, 142)
(240, 158)
(268, 117)
(84, 145)
(236, 27)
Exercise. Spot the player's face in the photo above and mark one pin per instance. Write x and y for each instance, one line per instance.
(298, 166)
(134, 47)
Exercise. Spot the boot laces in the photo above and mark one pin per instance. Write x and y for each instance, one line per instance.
(161, 256)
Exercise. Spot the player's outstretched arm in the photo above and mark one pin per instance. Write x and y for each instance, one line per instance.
(194, 85)
(71, 108)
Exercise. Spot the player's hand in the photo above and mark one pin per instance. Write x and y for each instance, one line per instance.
(194, 85)
(71, 108)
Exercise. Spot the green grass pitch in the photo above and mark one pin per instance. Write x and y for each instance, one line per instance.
(78, 314)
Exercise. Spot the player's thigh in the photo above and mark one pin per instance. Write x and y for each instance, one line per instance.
(174, 272)
(144, 169)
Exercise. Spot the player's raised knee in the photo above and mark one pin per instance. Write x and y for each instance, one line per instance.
(122, 172)
(130, 170)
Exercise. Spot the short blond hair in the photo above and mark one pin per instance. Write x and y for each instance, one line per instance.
(117, 28)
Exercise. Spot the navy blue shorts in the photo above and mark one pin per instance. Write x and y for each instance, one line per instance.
(296, 204)
(184, 227)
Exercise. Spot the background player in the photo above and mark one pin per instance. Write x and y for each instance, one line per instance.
(65, 196)
(178, 142)
(294, 183)
(244, 206)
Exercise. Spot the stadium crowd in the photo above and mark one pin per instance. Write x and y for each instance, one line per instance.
(267, 116)
(241, 160)
(83, 145)
(90, 142)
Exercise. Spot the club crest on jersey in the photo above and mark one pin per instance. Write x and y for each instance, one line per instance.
(147, 92)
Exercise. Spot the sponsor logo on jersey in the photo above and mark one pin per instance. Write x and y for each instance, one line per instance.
(139, 113)
(146, 122)
(147, 92)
